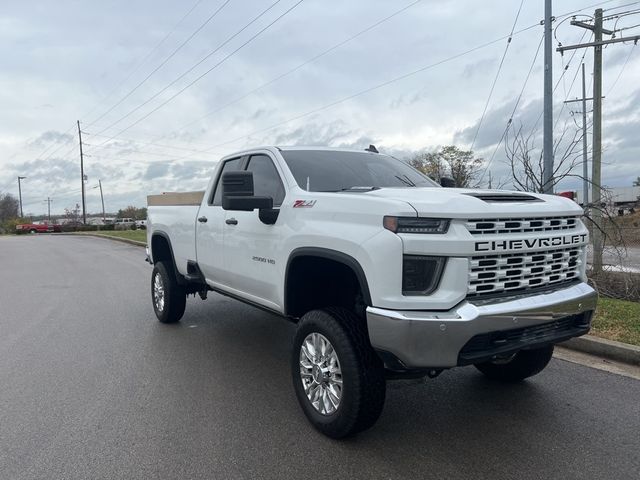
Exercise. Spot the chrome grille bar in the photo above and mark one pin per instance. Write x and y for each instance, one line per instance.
(491, 226)
(506, 273)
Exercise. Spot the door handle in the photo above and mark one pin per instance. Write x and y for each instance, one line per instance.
(231, 221)
(202, 219)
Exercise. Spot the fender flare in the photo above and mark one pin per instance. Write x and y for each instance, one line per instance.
(160, 233)
(329, 254)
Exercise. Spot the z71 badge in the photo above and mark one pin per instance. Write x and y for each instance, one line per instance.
(304, 203)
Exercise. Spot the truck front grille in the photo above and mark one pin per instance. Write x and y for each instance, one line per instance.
(519, 272)
(493, 226)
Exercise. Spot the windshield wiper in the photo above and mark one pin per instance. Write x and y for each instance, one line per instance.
(355, 188)
(406, 180)
(358, 188)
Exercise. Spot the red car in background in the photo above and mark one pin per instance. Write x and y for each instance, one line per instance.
(37, 228)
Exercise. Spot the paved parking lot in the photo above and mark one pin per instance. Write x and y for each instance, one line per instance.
(92, 386)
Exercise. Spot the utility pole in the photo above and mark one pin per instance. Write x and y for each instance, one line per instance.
(596, 172)
(49, 200)
(585, 163)
(102, 199)
(20, 194)
(547, 148)
(596, 213)
(84, 210)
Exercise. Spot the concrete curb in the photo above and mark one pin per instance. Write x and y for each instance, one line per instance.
(609, 349)
(117, 239)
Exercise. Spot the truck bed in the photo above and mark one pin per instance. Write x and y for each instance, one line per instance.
(175, 198)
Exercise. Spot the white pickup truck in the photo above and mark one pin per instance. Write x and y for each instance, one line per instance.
(386, 273)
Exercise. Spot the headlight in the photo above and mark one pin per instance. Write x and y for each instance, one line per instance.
(415, 224)
(421, 274)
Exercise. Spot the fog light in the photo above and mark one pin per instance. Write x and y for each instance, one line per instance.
(421, 274)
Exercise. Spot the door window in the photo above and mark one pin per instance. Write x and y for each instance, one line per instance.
(229, 166)
(266, 181)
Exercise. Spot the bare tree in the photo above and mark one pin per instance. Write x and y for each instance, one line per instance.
(526, 161)
(526, 165)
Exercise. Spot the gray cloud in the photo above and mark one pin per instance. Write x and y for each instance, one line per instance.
(155, 171)
(49, 138)
(50, 80)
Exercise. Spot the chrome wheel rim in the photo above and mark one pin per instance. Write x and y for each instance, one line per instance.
(158, 293)
(320, 373)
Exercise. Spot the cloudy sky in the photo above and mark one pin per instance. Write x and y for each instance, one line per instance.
(163, 88)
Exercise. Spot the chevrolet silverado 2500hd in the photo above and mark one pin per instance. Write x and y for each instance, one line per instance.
(387, 274)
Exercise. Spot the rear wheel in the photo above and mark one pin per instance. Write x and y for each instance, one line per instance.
(168, 297)
(33, 230)
(337, 377)
(524, 364)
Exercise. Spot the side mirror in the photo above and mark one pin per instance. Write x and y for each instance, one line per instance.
(237, 193)
(447, 182)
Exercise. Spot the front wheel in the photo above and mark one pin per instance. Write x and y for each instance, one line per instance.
(337, 377)
(168, 297)
(524, 364)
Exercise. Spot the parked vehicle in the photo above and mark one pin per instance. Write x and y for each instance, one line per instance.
(141, 224)
(37, 228)
(386, 274)
(125, 221)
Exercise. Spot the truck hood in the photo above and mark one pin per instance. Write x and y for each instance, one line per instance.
(475, 203)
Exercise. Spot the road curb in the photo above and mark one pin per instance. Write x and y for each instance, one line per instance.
(609, 349)
(117, 239)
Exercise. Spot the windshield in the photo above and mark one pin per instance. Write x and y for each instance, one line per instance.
(334, 171)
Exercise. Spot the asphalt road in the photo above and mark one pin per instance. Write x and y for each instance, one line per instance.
(92, 386)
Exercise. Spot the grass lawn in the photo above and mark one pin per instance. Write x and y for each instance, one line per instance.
(139, 235)
(617, 320)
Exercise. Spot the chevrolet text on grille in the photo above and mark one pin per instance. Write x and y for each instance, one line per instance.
(502, 245)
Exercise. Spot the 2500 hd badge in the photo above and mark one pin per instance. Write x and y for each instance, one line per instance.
(500, 245)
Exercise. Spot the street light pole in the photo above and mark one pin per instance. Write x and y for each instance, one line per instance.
(102, 198)
(20, 194)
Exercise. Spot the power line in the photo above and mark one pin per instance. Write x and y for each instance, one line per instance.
(146, 152)
(143, 61)
(171, 55)
(197, 79)
(513, 112)
(614, 8)
(185, 73)
(143, 143)
(375, 87)
(621, 70)
(589, 7)
(299, 66)
(495, 79)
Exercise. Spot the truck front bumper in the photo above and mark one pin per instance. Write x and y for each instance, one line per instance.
(478, 331)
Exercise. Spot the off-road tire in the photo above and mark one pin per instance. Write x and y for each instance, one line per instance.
(363, 388)
(175, 297)
(526, 363)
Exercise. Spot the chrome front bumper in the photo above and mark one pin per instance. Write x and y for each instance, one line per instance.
(423, 339)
